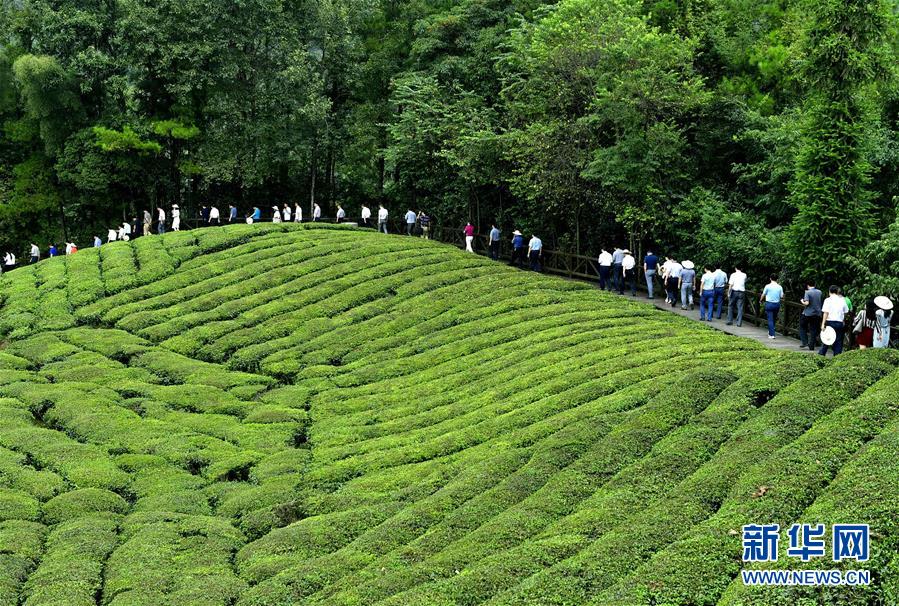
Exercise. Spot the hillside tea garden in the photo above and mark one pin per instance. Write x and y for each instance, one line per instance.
(261, 415)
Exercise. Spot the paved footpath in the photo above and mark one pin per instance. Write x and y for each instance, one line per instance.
(748, 330)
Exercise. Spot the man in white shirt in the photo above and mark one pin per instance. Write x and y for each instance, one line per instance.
(535, 252)
(214, 216)
(736, 296)
(366, 216)
(316, 211)
(286, 213)
(126, 230)
(9, 261)
(605, 270)
(341, 214)
(628, 273)
(833, 314)
(148, 223)
(160, 221)
(410, 221)
(297, 213)
(672, 281)
(382, 218)
(35, 253)
(112, 235)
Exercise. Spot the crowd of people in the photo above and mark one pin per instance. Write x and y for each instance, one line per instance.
(823, 320)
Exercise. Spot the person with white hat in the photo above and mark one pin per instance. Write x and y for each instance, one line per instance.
(176, 218)
(833, 315)
(882, 329)
(276, 214)
(687, 284)
(518, 253)
(628, 273)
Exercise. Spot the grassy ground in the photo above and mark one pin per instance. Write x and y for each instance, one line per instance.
(272, 415)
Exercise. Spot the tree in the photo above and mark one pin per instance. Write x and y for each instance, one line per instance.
(844, 49)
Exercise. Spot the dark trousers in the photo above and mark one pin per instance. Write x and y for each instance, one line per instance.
(494, 250)
(617, 278)
(605, 272)
(809, 329)
(160, 227)
(629, 277)
(719, 300)
(771, 311)
(518, 256)
(671, 288)
(837, 346)
(365, 223)
(736, 300)
(534, 256)
(34, 259)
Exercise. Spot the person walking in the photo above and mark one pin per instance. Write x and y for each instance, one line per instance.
(468, 230)
(833, 315)
(214, 215)
(71, 248)
(257, 215)
(276, 214)
(51, 250)
(720, 284)
(232, 213)
(864, 324)
(517, 250)
(365, 216)
(535, 252)
(35, 253)
(286, 213)
(160, 221)
(810, 319)
(493, 243)
(706, 294)
(112, 235)
(97, 242)
(382, 218)
(316, 211)
(341, 214)
(425, 221)
(410, 222)
(686, 284)
(663, 271)
(297, 213)
(617, 258)
(9, 261)
(204, 214)
(650, 264)
(736, 296)
(628, 273)
(672, 281)
(148, 222)
(604, 263)
(126, 230)
(772, 295)
(884, 315)
(176, 218)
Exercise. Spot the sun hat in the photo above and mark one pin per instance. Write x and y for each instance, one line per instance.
(883, 303)
(829, 336)
(516, 233)
(626, 251)
(688, 264)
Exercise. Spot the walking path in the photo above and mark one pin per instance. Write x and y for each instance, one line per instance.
(747, 330)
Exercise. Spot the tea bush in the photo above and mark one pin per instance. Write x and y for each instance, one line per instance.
(265, 415)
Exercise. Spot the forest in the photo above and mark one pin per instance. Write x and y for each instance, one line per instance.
(760, 133)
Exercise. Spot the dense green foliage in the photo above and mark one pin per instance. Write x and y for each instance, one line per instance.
(755, 132)
(274, 415)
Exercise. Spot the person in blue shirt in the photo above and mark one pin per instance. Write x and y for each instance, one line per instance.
(493, 243)
(257, 214)
(517, 250)
(720, 283)
(810, 320)
(706, 294)
(650, 265)
(52, 250)
(772, 296)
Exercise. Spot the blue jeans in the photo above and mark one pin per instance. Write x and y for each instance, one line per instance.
(705, 304)
(650, 276)
(686, 295)
(719, 300)
(837, 346)
(771, 311)
(617, 278)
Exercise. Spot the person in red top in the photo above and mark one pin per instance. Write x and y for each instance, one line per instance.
(469, 237)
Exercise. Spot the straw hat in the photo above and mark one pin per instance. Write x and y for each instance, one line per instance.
(883, 303)
(516, 233)
(688, 264)
(829, 336)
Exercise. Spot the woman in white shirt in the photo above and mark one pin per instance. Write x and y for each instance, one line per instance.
(276, 215)
(286, 213)
(297, 213)
(176, 218)
(833, 314)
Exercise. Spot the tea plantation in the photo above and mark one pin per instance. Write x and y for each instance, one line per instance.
(277, 414)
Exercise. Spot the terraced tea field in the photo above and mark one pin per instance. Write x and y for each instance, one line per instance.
(271, 415)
